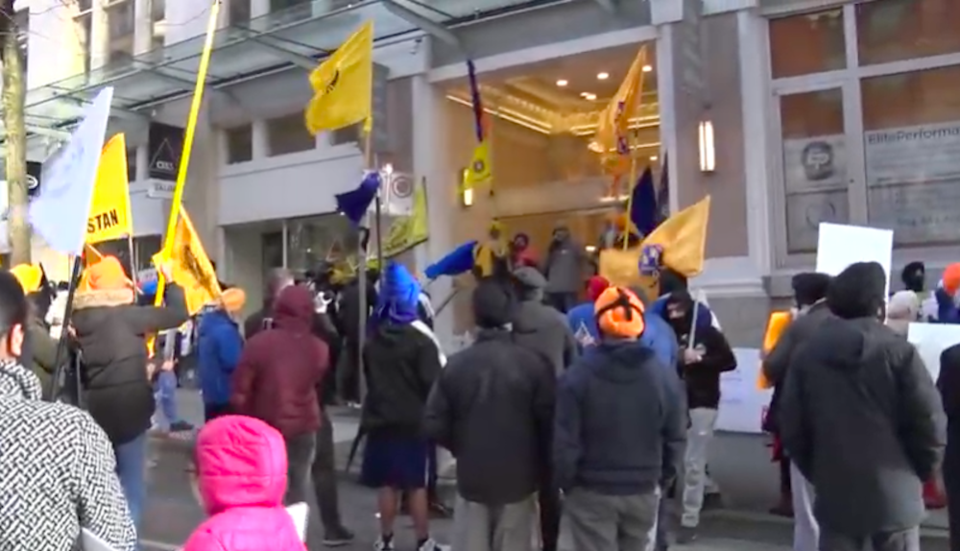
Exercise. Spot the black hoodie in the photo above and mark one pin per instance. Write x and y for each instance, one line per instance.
(620, 422)
(860, 416)
(401, 364)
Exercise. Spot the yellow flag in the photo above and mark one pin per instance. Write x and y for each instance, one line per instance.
(480, 170)
(610, 141)
(406, 232)
(110, 207)
(343, 85)
(679, 243)
(776, 326)
(190, 266)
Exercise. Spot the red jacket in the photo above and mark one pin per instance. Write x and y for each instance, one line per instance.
(280, 371)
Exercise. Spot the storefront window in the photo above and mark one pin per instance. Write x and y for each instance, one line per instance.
(586, 228)
(808, 43)
(318, 238)
(894, 30)
(814, 165)
(272, 246)
(239, 144)
(288, 134)
(911, 146)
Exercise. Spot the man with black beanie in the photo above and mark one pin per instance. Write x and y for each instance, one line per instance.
(492, 407)
(862, 421)
(810, 310)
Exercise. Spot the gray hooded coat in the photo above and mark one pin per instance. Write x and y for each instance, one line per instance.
(540, 327)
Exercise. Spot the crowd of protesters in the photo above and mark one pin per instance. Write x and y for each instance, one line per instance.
(600, 413)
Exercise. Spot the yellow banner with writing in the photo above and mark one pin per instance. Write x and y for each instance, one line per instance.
(190, 267)
(110, 217)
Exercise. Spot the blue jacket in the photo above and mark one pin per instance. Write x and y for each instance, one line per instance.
(947, 311)
(658, 335)
(218, 351)
(620, 423)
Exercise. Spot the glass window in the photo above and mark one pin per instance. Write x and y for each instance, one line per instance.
(83, 24)
(288, 134)
(132, 164)
(911, 143)
(348, 134)
(239, 13)
(312, 240)
(893, 30)
(814, 165)
(158, 10)
(146, 246)
(239, 144)
(120, 28)
(808, 43)
(277, 5)
(272, 246)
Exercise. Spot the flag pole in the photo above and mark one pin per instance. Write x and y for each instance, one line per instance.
(188, 136)
(633, 137)
(362, 268)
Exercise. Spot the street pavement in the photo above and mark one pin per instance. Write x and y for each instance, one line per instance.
(739, 464)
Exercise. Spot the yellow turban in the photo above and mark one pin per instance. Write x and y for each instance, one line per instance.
(29, 276)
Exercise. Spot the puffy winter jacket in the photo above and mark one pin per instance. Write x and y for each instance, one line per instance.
(219, 347)
(242, 476)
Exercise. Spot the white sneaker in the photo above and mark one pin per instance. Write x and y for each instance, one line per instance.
(432, 545)
(381, 545)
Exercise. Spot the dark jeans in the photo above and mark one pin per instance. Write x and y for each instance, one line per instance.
(212, 411)
(903, 540)
(325, 478)
(550, 510)
(784, 477)
(299, 459)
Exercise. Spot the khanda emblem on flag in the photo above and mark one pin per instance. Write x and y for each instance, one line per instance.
(332, 85)
(650, 260)
(189, 260)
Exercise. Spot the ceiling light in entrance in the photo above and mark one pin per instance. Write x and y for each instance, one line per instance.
(562, 82)
(589, 97)
(647, 68)
(603, 76)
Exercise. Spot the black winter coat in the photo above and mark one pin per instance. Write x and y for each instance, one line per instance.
(112, 333)
(861, 418)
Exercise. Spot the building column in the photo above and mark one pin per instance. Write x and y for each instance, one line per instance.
(143, 26)
(260, 142)
(754, 59)
(99, 35)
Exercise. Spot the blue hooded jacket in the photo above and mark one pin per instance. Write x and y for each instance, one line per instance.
(219, 347)
(657, 335)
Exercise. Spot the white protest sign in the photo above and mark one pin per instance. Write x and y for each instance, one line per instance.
(742, 404)
(60, 213)
(300, 512)
(931, 339)
(841, 245)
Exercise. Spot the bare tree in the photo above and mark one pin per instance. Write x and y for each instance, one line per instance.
(15, 144)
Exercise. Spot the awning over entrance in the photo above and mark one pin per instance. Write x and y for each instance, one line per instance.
(299, 35)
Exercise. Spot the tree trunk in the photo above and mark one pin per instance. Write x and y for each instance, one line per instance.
(15, 158)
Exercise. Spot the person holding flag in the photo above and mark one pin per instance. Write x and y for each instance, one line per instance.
(111, 331)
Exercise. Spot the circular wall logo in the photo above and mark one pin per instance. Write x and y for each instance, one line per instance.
(817, 159)
(401, 185)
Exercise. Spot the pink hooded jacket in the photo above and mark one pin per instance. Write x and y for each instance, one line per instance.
(242, 476)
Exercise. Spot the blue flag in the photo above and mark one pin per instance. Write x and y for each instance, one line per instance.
(454, 263)
(354, 204)
(643, 204)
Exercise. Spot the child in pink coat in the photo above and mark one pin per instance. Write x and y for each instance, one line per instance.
(241, 477)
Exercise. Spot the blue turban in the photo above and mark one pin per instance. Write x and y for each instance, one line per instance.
(399, 295)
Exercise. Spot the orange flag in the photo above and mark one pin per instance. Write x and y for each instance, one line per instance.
(776, 325)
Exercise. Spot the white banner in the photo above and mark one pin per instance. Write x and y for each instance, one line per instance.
(840, 246)
(931, 339)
